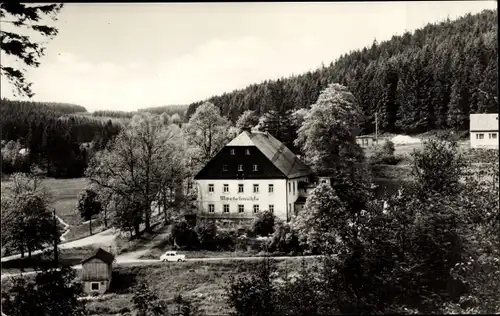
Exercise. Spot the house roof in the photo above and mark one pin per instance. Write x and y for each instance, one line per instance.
(100, 254)
(483, 122)
(282, 157)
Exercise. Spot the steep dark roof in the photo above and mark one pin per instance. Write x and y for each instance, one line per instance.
(100, 254)
(279, 155)
(282, 157)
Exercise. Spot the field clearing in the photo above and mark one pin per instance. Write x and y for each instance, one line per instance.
(203, 283)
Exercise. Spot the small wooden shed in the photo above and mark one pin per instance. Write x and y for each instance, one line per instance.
(96, 271)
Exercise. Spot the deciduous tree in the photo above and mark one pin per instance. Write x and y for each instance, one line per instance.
(207, 132)
(247, 121)
(88, 205)
(16, 19)
(52, 292)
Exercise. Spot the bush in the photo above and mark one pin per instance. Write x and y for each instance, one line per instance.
(184, 236)
(263, 224)
(384, 155)
(242, 243)
(225, 240)
(284, 240)
(207, 235)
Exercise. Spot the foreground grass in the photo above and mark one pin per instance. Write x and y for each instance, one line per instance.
(203, 283)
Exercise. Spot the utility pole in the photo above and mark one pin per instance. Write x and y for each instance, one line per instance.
(56, 237)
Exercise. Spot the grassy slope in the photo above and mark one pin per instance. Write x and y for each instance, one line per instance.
(204, 283)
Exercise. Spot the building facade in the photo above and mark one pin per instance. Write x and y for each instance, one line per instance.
(365, 141)
(252, 173)
(484, 130)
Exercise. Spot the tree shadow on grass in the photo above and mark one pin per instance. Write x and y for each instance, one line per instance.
(122, 281)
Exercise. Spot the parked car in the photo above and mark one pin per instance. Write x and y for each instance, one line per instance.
(170, 256)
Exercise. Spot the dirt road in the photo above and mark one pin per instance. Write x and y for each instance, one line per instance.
(127, 259)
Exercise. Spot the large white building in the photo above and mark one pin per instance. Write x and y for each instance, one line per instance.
(484, 130)
(252, 173)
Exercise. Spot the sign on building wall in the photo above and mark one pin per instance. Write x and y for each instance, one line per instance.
(239, 198)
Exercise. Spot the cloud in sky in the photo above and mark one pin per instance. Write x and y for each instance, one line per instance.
(140, 55)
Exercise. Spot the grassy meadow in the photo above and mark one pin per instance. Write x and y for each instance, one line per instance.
(203, 283)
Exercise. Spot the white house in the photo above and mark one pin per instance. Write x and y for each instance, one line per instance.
(252, 173)
(484, 130)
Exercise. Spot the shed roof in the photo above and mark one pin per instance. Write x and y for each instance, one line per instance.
(483, 122)
(100, 254)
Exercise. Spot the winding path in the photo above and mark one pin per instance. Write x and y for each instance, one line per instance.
(104, 238)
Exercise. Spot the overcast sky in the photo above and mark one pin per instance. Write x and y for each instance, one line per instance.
(126, 56)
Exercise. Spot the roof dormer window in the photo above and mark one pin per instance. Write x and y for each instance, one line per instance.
(232, 152)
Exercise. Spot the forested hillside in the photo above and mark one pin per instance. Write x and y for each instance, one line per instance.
(53, 134)
(431, 79)
(169, 109)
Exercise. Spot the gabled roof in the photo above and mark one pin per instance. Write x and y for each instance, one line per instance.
(282, 157)
(483, 122)
(100, 254)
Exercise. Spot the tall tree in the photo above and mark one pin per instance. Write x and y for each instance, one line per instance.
(327, 139)
(27, 222)
(13, 43)
(207, 132)
(134, 165)
(88, 205)
(247, 121)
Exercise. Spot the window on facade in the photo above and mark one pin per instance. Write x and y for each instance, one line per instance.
(255, 208)
(290, 206)
(247, 151)
(226, 208)
(289, 187)
(94, 286)
(481, 136)
(226, 188)
(255, 188)
(271, 188)
(232, 151)
(224, 167)
(211, 208)
(493, 135)
(255, 168)
(293, 186)
(210, 188)
(240, 167)
(240, 188)
(271, 208)
(241, 208)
